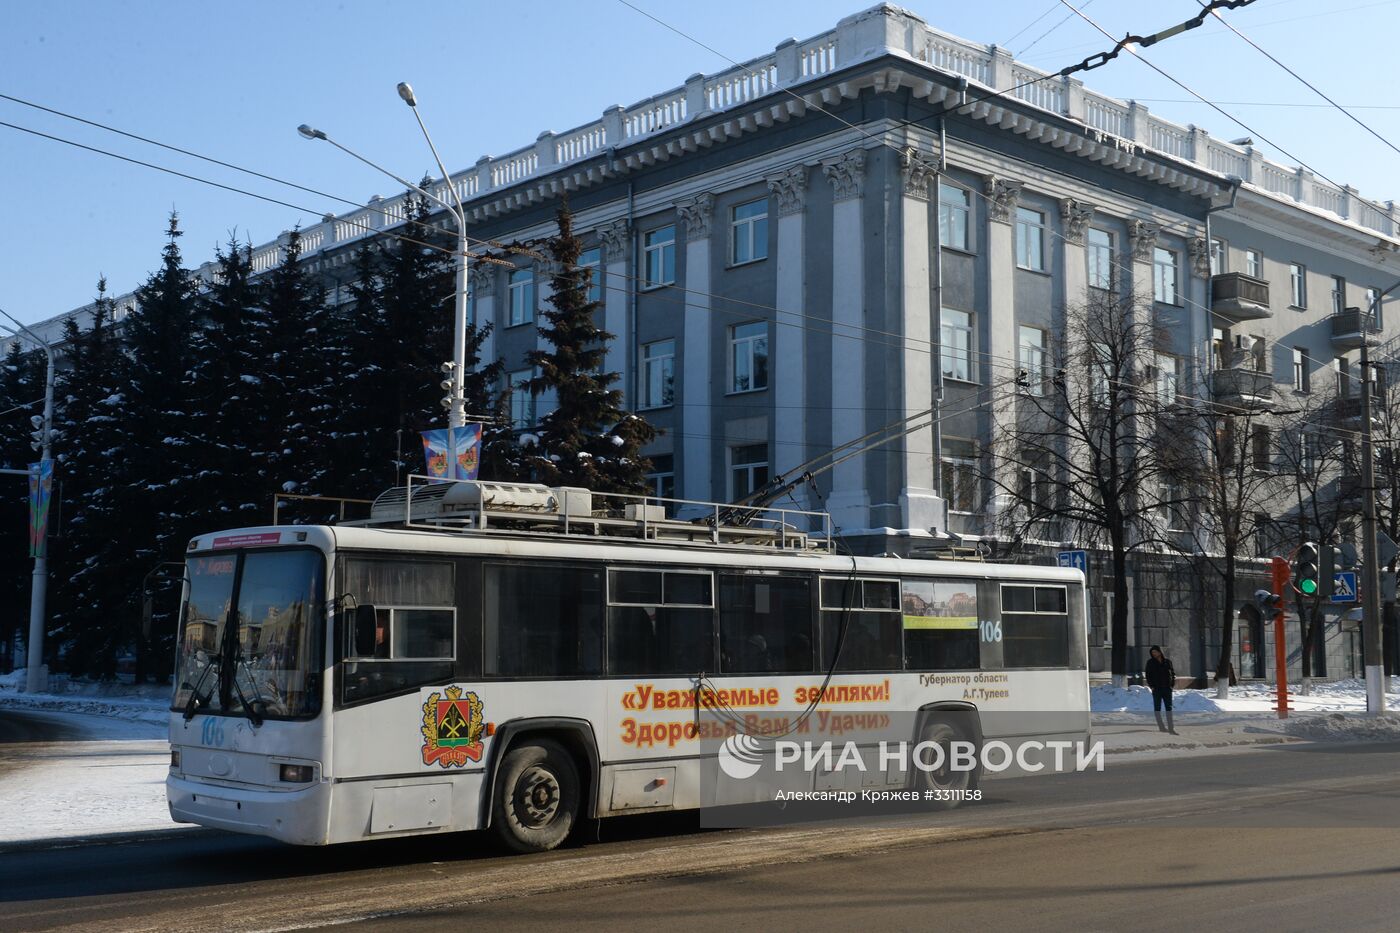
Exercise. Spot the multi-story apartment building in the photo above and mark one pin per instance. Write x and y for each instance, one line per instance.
(885, 219)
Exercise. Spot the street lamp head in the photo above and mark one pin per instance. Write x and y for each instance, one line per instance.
(310, 132)
(406, 92)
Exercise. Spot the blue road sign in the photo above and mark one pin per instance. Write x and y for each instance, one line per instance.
(1344, 587)
(1079, 560)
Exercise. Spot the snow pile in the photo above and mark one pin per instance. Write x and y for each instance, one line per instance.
(145, 703)
(1106, 698)
(1339, 727)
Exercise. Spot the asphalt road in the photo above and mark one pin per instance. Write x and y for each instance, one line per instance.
(1278, 838)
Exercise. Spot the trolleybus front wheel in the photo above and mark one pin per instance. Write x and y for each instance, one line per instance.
(536, 797)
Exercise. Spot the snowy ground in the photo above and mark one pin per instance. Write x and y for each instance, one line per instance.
(107, 773)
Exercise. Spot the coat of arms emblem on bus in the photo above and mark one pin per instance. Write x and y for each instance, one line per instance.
(452, 728)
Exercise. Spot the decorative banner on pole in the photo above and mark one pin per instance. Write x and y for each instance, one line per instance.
(453, 453)
(40, 493)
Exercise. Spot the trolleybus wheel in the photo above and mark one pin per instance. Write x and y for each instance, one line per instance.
(952, 785)
(536, 797)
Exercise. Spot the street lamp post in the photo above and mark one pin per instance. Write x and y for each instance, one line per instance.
(456, 400)
(34, 681)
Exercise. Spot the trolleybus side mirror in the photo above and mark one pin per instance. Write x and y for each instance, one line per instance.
(365, 617)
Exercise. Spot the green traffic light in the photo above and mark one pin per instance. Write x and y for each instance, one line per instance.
(1309, 587)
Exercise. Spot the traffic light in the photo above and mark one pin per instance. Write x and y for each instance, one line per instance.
(1326, 570)
(38, 433)
(449, 369)
(1268, 604)
(1305, 570)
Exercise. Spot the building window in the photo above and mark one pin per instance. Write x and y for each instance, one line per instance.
(1298, 283)
(1168, 378)
(1218, 257)
(590, 260)
(1339, 294)
(1164, 276)
(662, 478)
(957, 345)
(954, 211)
(1307, 452)
(748, 470)
(748, 232)
(1259, 445)
(658, 374)
(1030, 239)
(1100, 375)
(962, 482)
(522, 296)
(748, 357)
(1031, 354)
(1373, 307)
(522, 402)
(1254, 263)
(1300, 370)
(1098, 250)
(659, 255)
(1342, 368)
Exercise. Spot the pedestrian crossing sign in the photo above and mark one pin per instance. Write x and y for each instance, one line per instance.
(1344, 587)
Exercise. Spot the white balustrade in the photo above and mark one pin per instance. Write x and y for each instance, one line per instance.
(1106, 115)
(580, 143)
(1226, 159)
(513, 168)
(1279, 180)
(1169, 138)
(944, 52)
(1326, 197)
(1039, 89)
(817, 57)
(656, 114)
(739, 87)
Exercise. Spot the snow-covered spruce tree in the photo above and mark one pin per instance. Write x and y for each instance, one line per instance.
(153, 493)
(91, 439)
(300, 362)
(225, 432)
(21, 383)
(588, 440)
(397, 334)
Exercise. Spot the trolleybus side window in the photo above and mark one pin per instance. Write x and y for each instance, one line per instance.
(765, 624)
(542, 620)
(1035, 626)
(941, 625)
(415, 625)
(660, 623)
(870, 611)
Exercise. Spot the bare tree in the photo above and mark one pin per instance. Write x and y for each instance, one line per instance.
(1228, 479)
(1319, 452)
(1079, 451)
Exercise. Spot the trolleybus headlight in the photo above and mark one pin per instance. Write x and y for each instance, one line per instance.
(296, 774)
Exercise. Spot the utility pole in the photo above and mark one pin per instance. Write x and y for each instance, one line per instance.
(1374, 659)
(35, 681)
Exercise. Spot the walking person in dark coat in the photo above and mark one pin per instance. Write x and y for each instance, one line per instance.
(1161, 677)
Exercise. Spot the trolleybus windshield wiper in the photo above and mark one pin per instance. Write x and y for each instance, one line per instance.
(196, 700)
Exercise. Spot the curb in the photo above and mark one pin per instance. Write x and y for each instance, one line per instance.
(181, 832)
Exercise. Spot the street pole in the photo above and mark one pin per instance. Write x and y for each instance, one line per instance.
(1370, 585)
(35, 680)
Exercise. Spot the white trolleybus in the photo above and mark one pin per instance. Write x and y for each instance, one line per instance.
(515, 657)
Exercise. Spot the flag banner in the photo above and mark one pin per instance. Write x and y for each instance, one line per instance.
(453, 453)
(40, 493)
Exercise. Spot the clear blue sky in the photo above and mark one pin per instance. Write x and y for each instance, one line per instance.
(491, 76)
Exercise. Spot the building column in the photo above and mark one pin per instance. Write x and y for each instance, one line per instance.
(697, 402)
(921, 509)
(1000, 328)
(789, 370)
(1196, 294)
(1142, 242)
(616, 240)
(481, 279)
(849, 501)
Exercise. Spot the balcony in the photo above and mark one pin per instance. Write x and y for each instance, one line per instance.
(1350, 328)
(1348, 410)
(1242, 387)
(1239, 297)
